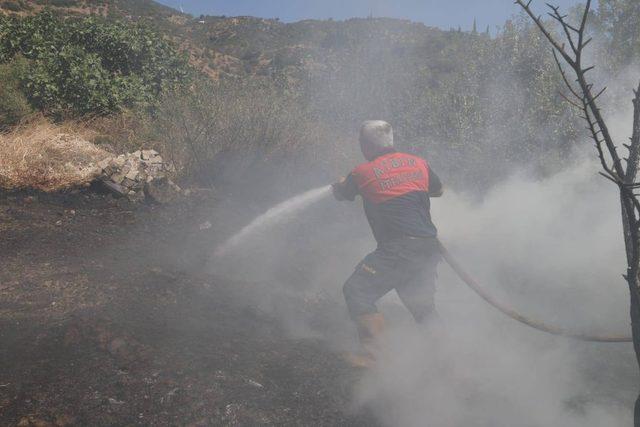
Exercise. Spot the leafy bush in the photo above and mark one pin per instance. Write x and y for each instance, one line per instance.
(89, 65)
(14, 105)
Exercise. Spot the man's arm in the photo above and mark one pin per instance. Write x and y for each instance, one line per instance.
(345, 189)
(435, 185)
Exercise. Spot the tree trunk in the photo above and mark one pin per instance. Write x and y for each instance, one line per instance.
(635, 329)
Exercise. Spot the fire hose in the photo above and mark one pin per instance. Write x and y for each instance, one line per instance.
(472, 283)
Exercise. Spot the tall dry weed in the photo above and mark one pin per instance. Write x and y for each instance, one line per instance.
(48, 157)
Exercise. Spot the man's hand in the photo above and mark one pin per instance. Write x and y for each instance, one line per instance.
(338, 189)
(436, 189)
(438, 193)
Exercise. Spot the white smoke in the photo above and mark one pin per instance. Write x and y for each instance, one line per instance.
(552, 249)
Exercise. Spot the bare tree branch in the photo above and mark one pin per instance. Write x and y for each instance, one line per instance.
(597, 124)
(565, 26)
(538, 21)
(565, 78)
(574, 104)
(634, 146)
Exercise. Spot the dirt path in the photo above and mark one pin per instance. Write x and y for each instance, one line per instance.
(105, 319)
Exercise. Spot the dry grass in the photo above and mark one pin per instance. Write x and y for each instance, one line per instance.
(47, 157)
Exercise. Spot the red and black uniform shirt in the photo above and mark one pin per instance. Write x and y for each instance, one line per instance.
(395, 190)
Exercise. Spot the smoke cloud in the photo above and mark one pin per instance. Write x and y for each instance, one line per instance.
(550, 247)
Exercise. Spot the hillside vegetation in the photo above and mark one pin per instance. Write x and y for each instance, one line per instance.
(265, 93)
(67, 66)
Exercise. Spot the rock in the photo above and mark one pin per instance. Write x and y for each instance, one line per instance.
(255, 384)
(117, 178)
(162, 191)
(114, 188)
(150, 154)
(104, 164)
(132, 175)
(119, 161)
(128, 175)
(156, 171)
(128, 183)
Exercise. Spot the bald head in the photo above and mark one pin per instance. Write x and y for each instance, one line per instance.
(376, 137)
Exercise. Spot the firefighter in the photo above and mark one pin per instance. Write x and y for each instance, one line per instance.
(395, 188)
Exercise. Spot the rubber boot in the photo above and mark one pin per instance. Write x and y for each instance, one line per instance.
(370, 328)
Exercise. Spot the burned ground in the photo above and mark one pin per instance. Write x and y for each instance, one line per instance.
(107, 318)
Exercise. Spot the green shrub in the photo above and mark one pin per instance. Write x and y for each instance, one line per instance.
(89, 65)
(14, 105)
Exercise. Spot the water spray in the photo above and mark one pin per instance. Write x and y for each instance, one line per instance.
(298, 203)
(273, 216)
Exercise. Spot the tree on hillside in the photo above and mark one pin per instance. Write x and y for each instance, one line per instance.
(569, 50)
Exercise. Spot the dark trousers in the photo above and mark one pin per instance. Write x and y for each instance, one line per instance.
(408, 265)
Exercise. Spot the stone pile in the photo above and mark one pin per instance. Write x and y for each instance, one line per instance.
(139, 175)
